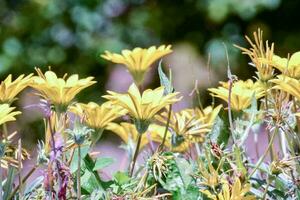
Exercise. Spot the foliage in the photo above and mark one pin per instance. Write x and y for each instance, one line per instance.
(202, 152)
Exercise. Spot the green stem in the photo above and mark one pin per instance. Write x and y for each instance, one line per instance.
(78, 174)
(19, 169)
(136, 153)
(5, 131)
(267, 187)
(268, 132)
(229, 110)
(166, 129)
(23, 181)
(265, 153)
(1, 189)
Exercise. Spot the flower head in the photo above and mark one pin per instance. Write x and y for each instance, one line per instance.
(6, 113)
(10, 89)
(207, 115)
(287, 84)
(237, 191)
(142, 107)
(260, 54)
(98, 116)
(139, 60)
(59, 91)
(9, 154)
(128, 133)
(185, 128)
(241, 93)
(289, 67)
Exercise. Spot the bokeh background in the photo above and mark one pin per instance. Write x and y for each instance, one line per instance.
(69, 36)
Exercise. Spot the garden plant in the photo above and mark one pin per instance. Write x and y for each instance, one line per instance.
(191, 154)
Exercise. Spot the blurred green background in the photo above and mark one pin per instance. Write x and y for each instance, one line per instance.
(69, 35)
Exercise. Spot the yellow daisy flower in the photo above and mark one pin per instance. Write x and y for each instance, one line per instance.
(142, 107)
(98, 116)
(207, 115)
(287, 84)
(241, 93)
(6, 113)
(237, 191)
(138, 61)
(59, 91)
(289, 67)
(128, 133)
(186, 128)
(10, 89)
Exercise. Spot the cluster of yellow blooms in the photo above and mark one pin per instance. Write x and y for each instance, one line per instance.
(148, 109)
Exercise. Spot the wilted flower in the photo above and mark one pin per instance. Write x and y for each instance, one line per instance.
(261, 55)
(59, 91)
(281, 166)
(6, 113)
(241, 93)
(142, 107)
(159, 164)
(9, 153)
(10, 89)
(138, 61)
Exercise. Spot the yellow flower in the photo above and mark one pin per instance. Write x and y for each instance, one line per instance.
(139, 60)
(289, 67)
(261, 55)
(237, 191)
(6, 113)
(10, 89)
(142, 107)
(58, 90)
(128, 133)
(287, 84)
(207, 115)
(186, 128)
(98, 116)
(208, 174)
(241, 93)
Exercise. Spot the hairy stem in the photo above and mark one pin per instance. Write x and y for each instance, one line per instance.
(166, 129)
(23, 181)
(1, 189)
(78, 174)
(268, 132)
(265, 153)
(136, 153)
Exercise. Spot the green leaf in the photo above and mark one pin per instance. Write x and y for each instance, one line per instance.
(185, 170)
(220, 131)
(84, 151)
(164, 80)
(89, 182)
(102, 163)
(121, 178)
(8, 186)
